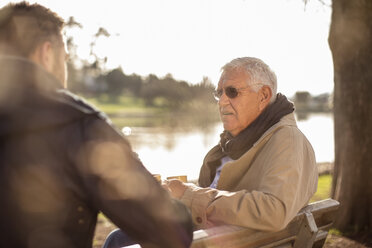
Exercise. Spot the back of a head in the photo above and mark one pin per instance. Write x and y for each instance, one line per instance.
(260, 73)
(24, 26)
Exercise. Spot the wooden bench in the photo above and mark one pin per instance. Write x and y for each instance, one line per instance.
(308, 229)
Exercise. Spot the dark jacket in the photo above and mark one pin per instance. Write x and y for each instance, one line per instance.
(61, 162)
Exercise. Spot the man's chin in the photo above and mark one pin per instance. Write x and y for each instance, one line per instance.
(228, 120)
(227, 127)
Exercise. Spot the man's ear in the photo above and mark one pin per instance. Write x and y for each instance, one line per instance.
(43, 55)
(265, 96)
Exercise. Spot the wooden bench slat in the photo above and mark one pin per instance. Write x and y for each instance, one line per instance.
(321, 235)
(310, 225)
(307, 232)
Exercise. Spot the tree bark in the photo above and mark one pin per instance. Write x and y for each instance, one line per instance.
(350, 40)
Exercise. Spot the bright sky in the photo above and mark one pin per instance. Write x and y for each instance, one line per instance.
(194, 38)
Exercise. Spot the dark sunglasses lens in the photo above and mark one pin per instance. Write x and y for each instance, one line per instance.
(231, 92)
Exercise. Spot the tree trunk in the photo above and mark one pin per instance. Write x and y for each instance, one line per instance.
(350, 40)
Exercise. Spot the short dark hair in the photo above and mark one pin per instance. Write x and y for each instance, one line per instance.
(24, 26)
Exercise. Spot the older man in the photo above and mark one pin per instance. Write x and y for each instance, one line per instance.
(263, 171)
(61, 161)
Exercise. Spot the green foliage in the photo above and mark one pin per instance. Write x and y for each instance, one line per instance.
(115, 82)
(334, 231)
(166, 91)
(155, 92)
(324, 188)
(132, 111)
(123, 105)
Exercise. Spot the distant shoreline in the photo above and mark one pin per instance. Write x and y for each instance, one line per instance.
(325, 168)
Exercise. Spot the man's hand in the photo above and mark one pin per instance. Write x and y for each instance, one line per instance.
(175, 187)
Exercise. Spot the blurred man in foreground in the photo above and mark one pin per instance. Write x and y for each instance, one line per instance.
(61, 161)
(263, 170)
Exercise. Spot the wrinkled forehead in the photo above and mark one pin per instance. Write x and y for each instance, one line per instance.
(237, 78)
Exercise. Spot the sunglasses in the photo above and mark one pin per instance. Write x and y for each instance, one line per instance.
(230, 91)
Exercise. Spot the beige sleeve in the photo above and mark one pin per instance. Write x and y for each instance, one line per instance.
(256, 210)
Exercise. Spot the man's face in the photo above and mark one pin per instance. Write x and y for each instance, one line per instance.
(59, 67)
(239, 112)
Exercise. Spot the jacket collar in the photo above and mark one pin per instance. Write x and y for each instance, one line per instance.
(287, 120)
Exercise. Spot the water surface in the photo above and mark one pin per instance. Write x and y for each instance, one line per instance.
(178, 147)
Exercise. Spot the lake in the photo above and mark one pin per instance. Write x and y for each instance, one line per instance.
(178, 149)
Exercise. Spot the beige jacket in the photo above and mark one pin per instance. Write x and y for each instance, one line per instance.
(265, 188)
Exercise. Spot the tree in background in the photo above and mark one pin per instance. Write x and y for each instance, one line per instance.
(134, 84)
(168, 91)
(85, 75)
(74, 82)
(204, 90)
(98, 64)
(115, 82)
(350, 40)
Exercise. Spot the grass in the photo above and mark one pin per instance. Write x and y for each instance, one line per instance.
(123, 105)
(129, 104)
(324, 188)
(132, 112)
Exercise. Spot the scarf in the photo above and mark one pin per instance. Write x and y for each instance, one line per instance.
(235, 147)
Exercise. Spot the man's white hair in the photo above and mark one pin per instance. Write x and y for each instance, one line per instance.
(259, 72)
